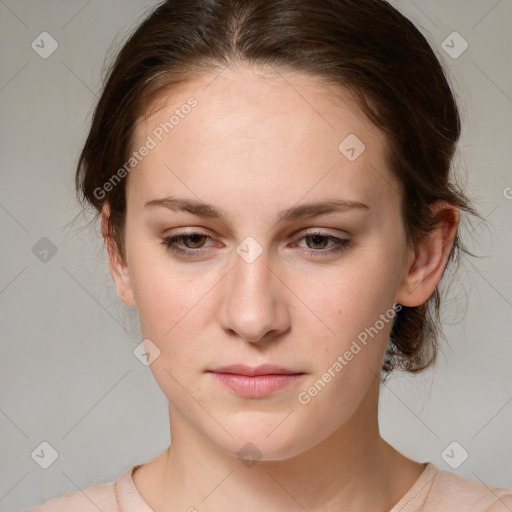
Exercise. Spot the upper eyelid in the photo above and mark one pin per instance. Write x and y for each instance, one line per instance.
(298, 233)
(298, 236)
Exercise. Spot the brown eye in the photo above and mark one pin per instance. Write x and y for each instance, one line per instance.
(195, 240)
(317, 240)
(189, 244)
(317, 244)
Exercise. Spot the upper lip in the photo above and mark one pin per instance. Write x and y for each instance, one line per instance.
(265, 369)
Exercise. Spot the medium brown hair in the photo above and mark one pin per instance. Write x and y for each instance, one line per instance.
(365, 47)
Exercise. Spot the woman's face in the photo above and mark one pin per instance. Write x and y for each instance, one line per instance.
(261, 275)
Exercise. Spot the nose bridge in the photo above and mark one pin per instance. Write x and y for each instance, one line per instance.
(251, 277)
(251, 285)
(252, 305)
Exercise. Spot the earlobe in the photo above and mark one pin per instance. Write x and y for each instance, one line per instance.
(430, 257)
(118, 267)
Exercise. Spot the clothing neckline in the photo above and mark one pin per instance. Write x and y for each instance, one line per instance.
(130, 500)
(419, 491)
(127, 494)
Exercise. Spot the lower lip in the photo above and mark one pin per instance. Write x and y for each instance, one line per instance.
(256, 386)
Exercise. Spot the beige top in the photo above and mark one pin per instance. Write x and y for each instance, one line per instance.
(434, 491)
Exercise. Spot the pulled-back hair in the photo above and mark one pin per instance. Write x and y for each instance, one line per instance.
(365, 47)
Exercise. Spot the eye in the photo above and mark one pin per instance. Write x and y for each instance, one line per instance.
(191, 243)
(321, 240)
(194, 241)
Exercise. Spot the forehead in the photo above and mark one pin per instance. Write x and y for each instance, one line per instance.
(245, 133)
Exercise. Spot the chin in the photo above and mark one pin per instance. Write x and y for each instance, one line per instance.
(253, 445)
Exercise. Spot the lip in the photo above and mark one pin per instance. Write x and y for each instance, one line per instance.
(256, 382)
(251, 371)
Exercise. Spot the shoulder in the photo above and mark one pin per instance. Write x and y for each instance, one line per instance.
(96, 497)
(93, 498)
(450, 491)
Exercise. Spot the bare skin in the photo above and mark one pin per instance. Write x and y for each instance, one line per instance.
(259, 142)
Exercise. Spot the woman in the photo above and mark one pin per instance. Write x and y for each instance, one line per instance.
(273, 179)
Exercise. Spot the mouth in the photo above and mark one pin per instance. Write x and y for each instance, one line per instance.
(255, 382)
(254, 371)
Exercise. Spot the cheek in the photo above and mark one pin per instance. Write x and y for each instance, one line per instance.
(163, 291)
(348, 338)
(347, 298)
(172, 315)
(344, 316)
(167, 303)
(176, 310)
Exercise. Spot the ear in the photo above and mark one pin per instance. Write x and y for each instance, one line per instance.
(118, 267)
(428, 259)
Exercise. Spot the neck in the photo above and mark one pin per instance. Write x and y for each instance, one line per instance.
(351, 469)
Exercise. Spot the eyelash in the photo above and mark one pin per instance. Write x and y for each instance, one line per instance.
(342, 244)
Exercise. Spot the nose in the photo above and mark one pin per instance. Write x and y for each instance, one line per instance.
(253, 306)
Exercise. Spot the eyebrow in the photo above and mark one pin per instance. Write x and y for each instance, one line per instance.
(300, 212)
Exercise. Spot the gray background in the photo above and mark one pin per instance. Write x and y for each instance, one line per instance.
(68, 374)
